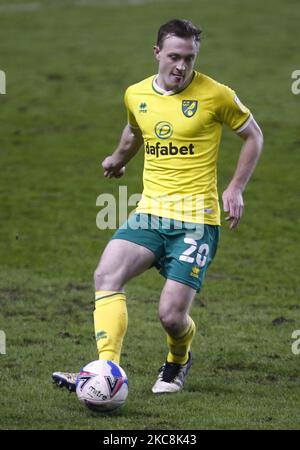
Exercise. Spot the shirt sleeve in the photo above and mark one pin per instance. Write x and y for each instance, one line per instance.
(130, 115)
(232, 111)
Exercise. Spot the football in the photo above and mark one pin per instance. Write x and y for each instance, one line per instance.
(102, 386)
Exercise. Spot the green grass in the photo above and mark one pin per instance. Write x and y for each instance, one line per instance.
(67, 67)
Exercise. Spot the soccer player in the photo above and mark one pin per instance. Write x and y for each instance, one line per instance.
(178, 115)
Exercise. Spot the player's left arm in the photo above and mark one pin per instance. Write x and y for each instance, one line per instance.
(233, 195)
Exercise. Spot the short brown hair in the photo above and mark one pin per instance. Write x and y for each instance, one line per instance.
(180, 28)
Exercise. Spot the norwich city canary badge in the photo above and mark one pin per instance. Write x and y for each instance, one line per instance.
(189, 107)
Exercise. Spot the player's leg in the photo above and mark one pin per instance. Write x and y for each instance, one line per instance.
(175, 302)
(188, 255)
(121, 261)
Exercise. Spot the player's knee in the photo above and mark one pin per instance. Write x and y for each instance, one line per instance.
(170, 321)
(107, 280)
(101, 279)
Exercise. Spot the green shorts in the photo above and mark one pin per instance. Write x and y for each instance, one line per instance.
(183, 251)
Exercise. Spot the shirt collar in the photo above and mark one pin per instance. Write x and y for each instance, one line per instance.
(161, 90)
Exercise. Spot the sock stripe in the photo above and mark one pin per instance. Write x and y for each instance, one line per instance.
(109, 295)
(190, 326)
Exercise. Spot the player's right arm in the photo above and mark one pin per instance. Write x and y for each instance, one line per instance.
(130, 142)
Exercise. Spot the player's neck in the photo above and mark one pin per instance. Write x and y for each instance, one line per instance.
(158, 82)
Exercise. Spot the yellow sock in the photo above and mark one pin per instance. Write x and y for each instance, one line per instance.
(110, 322)
(179, 346)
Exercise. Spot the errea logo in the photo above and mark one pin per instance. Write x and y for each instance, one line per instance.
(143, 107)
(101, 335)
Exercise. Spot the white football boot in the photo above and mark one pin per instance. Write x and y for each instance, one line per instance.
(171, 377)
(65, 379)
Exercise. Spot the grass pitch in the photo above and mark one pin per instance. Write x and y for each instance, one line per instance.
(67, 64)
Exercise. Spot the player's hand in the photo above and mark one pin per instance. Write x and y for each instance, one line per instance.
(112, 168)
(233, 204)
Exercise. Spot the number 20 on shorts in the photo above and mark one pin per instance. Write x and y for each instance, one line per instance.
(189, 254)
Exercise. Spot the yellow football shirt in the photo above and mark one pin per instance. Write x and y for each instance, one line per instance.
(182, 132)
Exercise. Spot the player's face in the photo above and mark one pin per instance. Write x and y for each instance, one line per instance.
(176, 61)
